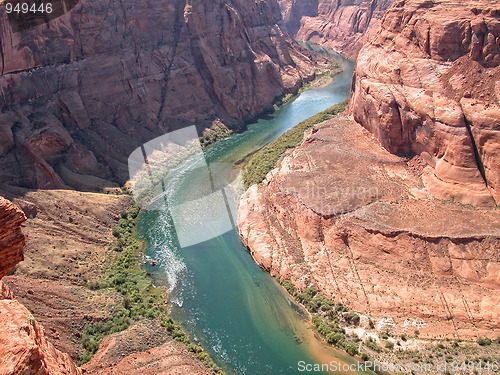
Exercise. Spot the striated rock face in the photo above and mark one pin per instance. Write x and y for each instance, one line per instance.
(23, 342)
(342, 213)
(428, 84)
(11, 237)
(344, 25)
(80, 93)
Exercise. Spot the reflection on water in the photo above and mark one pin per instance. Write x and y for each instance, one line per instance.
(223, 299)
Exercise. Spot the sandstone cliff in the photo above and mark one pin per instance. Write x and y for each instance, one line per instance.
(342, 213)
(344, 25)
(11, 237)
(23, 343)
(80, 93)
(428, 84)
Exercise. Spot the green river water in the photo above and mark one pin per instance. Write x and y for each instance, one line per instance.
(239, 313)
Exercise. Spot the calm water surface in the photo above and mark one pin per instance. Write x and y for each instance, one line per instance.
(223, 299)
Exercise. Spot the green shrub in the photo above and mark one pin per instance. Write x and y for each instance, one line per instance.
(350, 348)
(94, 285)
(352, 318)
(341, 308)
(483, 341)
(372, 344)
(389, 345)
(134, 212)
(364, 356)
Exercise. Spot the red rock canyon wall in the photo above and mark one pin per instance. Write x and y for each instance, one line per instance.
(428, 84)
(344, 25)
(80, 93)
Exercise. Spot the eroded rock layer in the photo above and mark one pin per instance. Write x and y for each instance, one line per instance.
(342, 213)
(428, 84)
(80, 93)
(345, 25)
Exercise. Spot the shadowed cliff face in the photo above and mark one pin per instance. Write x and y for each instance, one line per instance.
(428, 85)
(342, 24)
(80, 93)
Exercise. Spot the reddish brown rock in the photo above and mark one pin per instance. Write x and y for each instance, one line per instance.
(5, 292)
(143, 349)
(427, 85)
(80, 93)
(342, 213)
(345, 25)
(11, 237)
(23, 343)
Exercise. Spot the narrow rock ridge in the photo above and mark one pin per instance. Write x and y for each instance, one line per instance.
(79, 94)
(342, 213)
(343, 25)
(427, 85)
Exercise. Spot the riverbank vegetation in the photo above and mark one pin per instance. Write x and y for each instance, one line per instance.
(327, 317)
(139, 299)
(357, 334)
(218, 131)
(265, 159)
(323, 78)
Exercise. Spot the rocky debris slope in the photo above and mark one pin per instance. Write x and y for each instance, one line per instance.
(429, 84)
(342, 213)
(345, 25)
(80, 93)
(23, 343)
